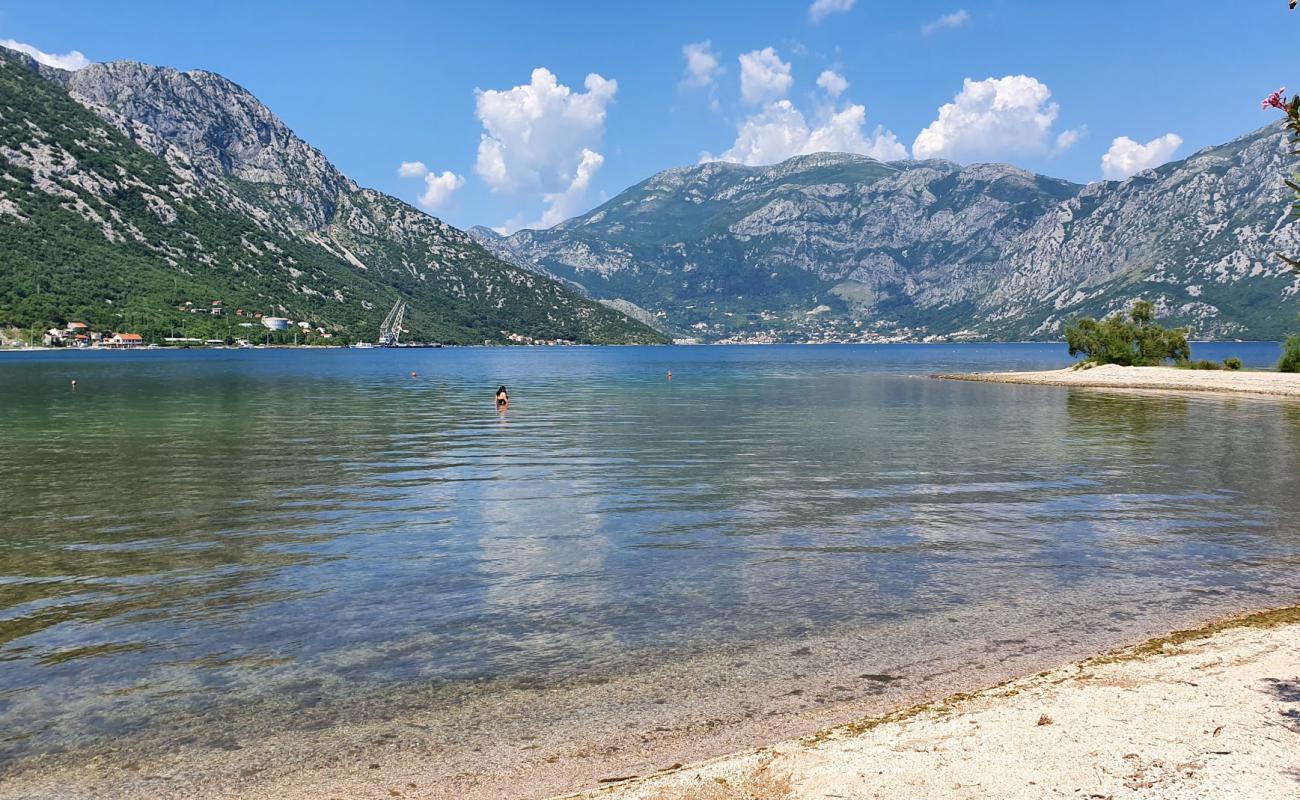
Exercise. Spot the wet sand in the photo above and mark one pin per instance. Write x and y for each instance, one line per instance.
(1207, 713)
(1111, 376)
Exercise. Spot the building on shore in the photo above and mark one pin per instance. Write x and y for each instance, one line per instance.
(276, 323)
(122, 340)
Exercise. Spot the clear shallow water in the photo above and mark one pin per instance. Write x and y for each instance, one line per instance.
(262, 538)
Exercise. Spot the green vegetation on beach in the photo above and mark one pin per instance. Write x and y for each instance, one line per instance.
(1130, 340)
(1290, 361)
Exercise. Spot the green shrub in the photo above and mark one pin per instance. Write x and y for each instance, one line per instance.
(1232, 363)
(1204, 363)
(1132, 340)
(1290, 356)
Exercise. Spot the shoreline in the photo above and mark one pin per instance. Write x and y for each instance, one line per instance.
(366, 761)
(1207, 711)
(1163, 379)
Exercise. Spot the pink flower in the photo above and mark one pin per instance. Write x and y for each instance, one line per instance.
(1274, 100)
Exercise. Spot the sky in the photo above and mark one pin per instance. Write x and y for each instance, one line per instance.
(522, 114)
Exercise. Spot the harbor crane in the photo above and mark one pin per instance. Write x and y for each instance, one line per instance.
(391, 329)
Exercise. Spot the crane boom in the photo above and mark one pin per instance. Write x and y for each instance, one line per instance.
(390, 331)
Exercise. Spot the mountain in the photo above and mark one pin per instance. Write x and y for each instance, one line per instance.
(836, 246)
(1197, 237)
(129, 190)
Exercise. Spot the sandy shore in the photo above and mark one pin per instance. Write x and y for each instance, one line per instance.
(1210, 712)
(1213, 712)
(1111, 376)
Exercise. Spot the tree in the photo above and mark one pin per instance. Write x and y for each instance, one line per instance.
(1290, 361)
(1132, 340)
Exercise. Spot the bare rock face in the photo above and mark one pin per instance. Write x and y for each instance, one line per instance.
(835, 246)
(1198, 237)
(224, 130)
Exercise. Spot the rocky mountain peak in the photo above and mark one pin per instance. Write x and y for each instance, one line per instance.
(919, 248)
(223, 129)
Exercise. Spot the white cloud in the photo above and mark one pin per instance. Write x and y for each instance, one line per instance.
(541, 137)
(764, 76)
(833, 82)
(438, 189)
(820, 9)
(72, 60)
(781, 131)
(412, 169)
(702, 67)
(1126, 157)
(992, 118)
(569, 203)
(954, 20)
(1067, 139)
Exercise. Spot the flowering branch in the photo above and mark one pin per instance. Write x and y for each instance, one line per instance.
(1292, 110)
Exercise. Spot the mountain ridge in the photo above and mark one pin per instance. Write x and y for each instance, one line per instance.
(230, 192)
(857, 249)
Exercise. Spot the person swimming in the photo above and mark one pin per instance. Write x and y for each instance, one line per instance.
(503, 399)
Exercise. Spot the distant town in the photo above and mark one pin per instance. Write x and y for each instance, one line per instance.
(256, 330)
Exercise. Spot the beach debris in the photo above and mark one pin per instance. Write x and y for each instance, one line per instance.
(880, 677)
(1044, 720)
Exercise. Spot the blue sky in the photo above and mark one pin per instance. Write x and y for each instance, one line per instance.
(1052, 85)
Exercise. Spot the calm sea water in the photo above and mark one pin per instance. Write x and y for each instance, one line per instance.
(275, 536)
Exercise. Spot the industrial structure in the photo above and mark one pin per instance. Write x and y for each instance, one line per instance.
(391, 329)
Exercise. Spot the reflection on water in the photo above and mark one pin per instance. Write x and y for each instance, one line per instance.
(219, 534)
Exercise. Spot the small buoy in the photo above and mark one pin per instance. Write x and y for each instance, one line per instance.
(412, 373)
(670, 374)
(74, 381)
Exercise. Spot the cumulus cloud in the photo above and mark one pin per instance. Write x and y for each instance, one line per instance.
(542, 137)
(72, 60)
(702, 66)
(1127, 157)
(820, 9)
(438, 189)
(781, 131)
(956, 19)
(764, 76)
(412, 169)
(832, 82)
(992, 118)
(568, 203)
(1067, 139)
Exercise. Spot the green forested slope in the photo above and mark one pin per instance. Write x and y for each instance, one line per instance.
(96, 228)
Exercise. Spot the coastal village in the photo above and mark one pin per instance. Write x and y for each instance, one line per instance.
(256, 330)
(81, 335)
